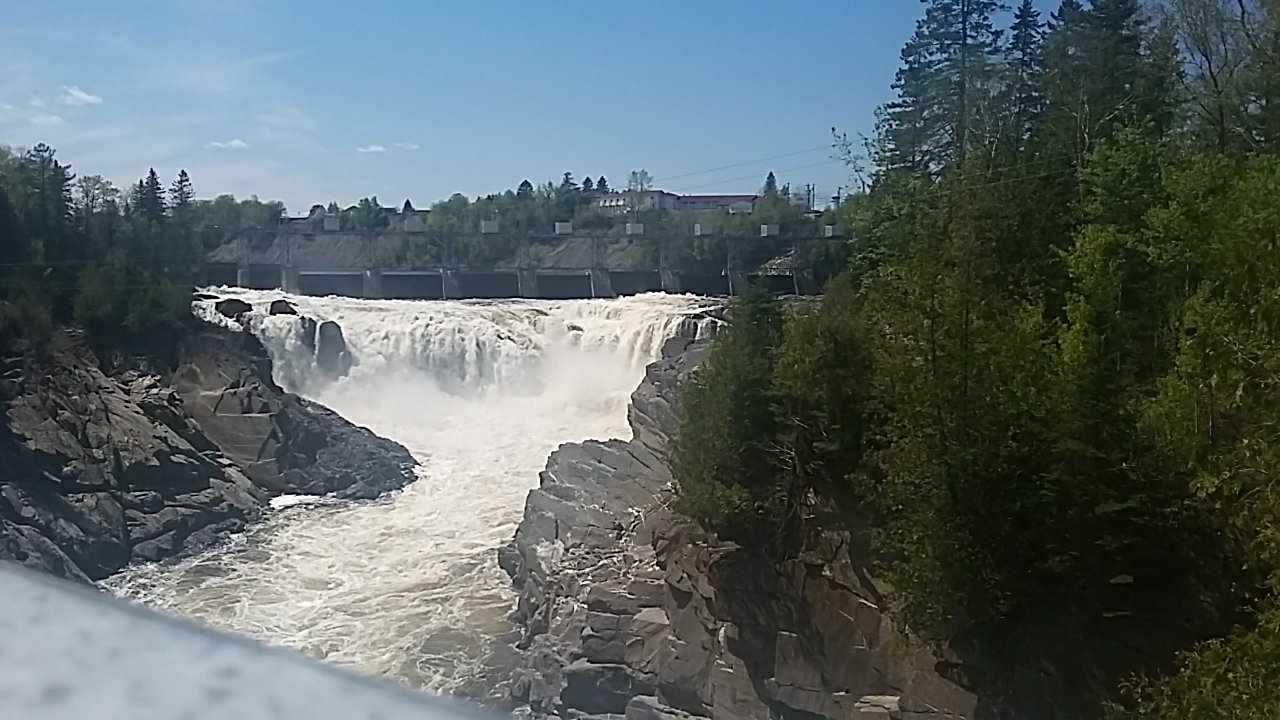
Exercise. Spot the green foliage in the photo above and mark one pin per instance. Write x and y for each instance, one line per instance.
(1048, 385)
(72, 253)
(722, 460)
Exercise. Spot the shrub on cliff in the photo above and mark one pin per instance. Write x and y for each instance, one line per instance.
(773, 418)
(723, 461)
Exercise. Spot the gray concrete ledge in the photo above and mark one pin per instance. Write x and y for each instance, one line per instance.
(70, 653)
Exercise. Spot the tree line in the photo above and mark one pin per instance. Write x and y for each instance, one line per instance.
(1048, 383)
(81, 250)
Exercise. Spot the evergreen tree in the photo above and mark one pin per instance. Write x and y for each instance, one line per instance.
(332, 208)
(602, 186)
(151, 199)
(525, 191)
(181, 193)
(1067, 125)
(944, 85)
(770, 185)
(49, 190)
(1025, 58)
(408, 206)
(588, 185)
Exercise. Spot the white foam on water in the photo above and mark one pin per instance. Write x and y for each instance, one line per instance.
(481, 392)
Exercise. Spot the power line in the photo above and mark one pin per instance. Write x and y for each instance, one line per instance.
(744, 164)
(749, 177)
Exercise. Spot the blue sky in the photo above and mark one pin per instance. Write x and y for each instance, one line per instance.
(316, 101)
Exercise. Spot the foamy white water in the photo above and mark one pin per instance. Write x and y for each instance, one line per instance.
(481, 393)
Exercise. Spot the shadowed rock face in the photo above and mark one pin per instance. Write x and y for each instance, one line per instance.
(97, 470)
(630, 611)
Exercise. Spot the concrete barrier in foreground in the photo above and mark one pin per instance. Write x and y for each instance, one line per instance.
(70, 653)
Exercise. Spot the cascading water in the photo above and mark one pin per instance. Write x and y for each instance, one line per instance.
(480, 392)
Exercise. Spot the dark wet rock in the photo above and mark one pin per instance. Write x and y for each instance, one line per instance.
(331, 351)
(233, 307)
(628, 608)
(98, 470)
(282, 307)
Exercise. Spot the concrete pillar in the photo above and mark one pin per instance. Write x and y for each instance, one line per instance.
(451, 284)
(372, 288)
(242, 277)
(528, 282)
(671, 281)
(602, 284)
(289, 281)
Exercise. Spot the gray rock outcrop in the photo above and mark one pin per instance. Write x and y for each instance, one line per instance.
(99, 470)
(630, 611)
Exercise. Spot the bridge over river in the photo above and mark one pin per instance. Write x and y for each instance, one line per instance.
(375, 265)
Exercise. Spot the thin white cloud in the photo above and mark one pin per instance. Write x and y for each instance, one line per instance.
(372, 149)
(407, 146)
(5, 107)
(74, 96)
(46, 120)
(236, 144)
(36, 102)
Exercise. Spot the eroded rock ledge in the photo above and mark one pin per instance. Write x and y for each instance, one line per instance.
(100, 469)
(630, 611)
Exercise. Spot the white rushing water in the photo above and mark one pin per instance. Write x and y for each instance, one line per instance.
(481, 392)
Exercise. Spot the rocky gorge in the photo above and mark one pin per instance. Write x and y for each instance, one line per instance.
(112, 458)
(629, 610)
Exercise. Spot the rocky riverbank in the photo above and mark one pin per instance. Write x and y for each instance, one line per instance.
(630, 611)
(140, 459)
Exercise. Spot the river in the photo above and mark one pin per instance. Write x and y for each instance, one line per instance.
(481, 392)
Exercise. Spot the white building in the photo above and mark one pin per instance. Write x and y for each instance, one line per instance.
(621, 202)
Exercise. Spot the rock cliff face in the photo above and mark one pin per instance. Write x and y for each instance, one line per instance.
(100, 469)
(630, 611)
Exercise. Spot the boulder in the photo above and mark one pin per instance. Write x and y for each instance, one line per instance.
(332, 355)
(282, 307)
(98, 470)
(233, 308)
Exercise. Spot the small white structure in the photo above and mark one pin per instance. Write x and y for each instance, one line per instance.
(488, 227)
(635, 228)
(769, 230)
(564, 228)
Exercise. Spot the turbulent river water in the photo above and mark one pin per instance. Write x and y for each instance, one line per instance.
(408, 587)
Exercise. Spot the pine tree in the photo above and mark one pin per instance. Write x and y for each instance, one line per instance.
(49, 193)
(181, 193)
(945, 82)
(602, 186)
(1025, 58)
(151, 200)
(1066, 128)
(525, 191)
(332, 208)
(588, 185)
(770, 184)
(408, 206)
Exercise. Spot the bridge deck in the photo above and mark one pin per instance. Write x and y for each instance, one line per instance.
(70, 652)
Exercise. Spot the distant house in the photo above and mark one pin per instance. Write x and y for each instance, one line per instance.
(732, 204)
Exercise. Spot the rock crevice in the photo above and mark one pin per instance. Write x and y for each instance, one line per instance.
(629, 610)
